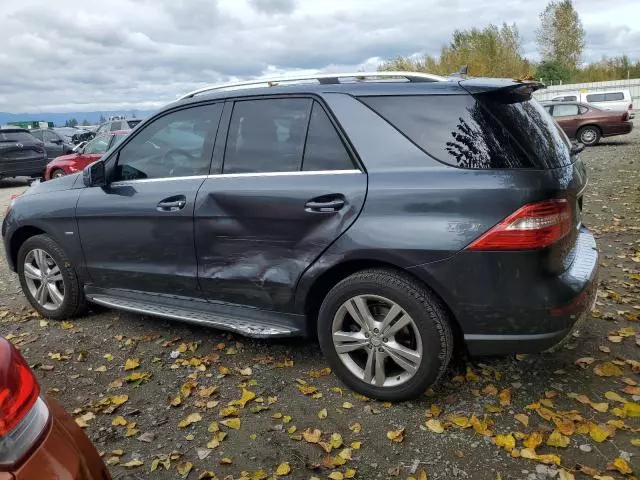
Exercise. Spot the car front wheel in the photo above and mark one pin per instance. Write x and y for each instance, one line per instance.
(48, 278)
(385, 335)
(57, 173)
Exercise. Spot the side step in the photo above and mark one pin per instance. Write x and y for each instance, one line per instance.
(256, 324)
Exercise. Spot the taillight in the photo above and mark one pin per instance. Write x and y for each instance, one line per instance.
(536, 225)
(23, 415)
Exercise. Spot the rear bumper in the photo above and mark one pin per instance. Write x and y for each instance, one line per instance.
(515, 313)
(617, 129)
(64, 452)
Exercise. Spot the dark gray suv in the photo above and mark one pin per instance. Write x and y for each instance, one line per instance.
(390, 213)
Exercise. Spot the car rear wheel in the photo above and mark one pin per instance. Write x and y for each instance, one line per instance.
(48, 279)
(589, 135)
(57, 173)
(385, 335)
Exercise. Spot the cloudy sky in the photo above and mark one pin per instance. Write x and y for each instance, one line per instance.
(68, 55)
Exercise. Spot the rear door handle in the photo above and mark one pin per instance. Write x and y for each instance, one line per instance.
(325, 205)
(172, 204)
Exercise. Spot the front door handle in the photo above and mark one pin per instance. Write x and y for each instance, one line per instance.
(326, 204)
(172, 204)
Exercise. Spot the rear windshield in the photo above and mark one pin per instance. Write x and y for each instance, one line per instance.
(462, 131)
(133, 123)
(15, 136)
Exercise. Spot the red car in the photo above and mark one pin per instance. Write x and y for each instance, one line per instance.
(89, 153)
(38, 439)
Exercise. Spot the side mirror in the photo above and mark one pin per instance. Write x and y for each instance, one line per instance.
(94, 175)
(57, 141)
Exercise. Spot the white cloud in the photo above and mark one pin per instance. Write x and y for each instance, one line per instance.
(67, 55)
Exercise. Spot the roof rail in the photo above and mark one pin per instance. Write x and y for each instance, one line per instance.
(322, 78)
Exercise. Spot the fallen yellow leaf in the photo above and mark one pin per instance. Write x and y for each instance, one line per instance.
(312, 435)
(322, 414)
(118, 399)
(614, 397)
(522, 418)
(396, 435)
(347, 405)
(355, 427)
(336, 475)
(228, 411)
(247, 396)
(556, 439)
(192, 418)
(632, 409)
(564, 475)
(462, 422)
(131, 363)
(184, 468)
(233, 423)
(608, 369)
(283, 469)
(598, 433)
(533, 440)
(531, 454)
(620, 465)
(505, 397)
(435, 426)
(132, 463)
(336, 440)
(118, 421)
(505, 441)
(600, 407)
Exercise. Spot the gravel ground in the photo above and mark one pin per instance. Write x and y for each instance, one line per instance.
(83, 365)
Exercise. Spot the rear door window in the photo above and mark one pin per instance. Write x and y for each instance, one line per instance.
(39, 134)
(596, 97)
(565, 110)
(613, 97)
(266, 135)
(466, 132)
(324, 149)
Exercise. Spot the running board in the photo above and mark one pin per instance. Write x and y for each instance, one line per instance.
(250, 327)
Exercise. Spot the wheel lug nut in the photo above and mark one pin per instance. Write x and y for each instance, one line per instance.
(385, 340)
(380, 349)
(375, 330)
(366, 335)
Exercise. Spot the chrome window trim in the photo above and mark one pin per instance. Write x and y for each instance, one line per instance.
(239, 175)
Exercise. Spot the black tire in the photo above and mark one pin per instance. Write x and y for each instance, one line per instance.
(57, 173)
(74, 302)
(589, 135)
(419, 302)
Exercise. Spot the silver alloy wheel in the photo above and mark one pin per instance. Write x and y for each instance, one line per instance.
(588, 136)
(58, 174)
(377, 340)
(44, 279)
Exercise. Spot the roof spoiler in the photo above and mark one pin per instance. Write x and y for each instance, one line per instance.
(501, 90)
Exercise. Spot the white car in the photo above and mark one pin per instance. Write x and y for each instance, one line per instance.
(619, 100)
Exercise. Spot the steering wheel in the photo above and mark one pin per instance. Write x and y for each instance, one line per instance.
(169, 159)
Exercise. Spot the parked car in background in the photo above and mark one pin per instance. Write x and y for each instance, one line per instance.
(54, 143)
(118, 125)
(386, 212)
(89, 153)
(68, 132)
(21, 154)
(587, 123)
(38, 439)
(618, 100)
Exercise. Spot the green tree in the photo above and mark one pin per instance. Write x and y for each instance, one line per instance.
(553, 73)
(71, 123)
(492, 51)
(560, 36)
(85, 122)
(102, 119)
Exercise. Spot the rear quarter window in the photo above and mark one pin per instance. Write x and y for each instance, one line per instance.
(465, 132)
(613, 97)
